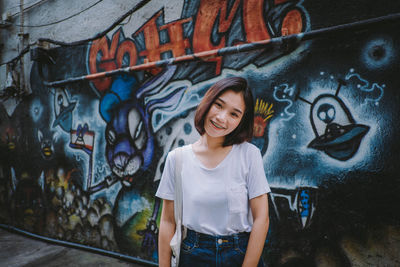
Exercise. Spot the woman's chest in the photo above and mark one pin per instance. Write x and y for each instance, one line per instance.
(218, 186)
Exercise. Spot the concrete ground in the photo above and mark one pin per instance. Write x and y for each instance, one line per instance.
(20, 250)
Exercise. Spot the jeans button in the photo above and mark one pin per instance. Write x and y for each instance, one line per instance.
(219, 241)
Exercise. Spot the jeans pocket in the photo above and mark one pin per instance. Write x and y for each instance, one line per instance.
(187, 246)
(240, 251)
(242, 246)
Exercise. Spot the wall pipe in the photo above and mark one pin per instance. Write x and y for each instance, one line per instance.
(21, 41)
(78, 246)
(285, 42)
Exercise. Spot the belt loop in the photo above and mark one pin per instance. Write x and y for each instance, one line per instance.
(196, 239)
(236, 240)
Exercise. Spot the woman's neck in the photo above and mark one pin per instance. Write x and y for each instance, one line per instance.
(209, 151)
(210, 143)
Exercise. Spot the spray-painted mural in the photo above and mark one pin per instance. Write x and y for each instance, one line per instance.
(81, 162)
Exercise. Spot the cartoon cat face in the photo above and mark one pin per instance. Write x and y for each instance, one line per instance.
(46, 141)
(130, 143)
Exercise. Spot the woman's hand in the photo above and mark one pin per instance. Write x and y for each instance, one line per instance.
(259, 210)
(167, 230)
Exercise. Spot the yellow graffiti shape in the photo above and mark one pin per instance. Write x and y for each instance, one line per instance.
(263, 109)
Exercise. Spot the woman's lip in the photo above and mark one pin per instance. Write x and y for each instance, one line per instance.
(217, 127)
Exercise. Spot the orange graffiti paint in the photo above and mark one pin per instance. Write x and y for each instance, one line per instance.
(254, 23)
(206, 17)
(154, 48)
(259, 126)
(292, 23)
(213, 23)
(111, 57)
(106, 62)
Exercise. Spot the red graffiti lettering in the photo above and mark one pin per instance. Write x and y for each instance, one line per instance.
(206, 16)
(106, 63)
(177, 44)
(110, 57)
(128, 48)
(254, 23)
(214, 20)
(292, 23)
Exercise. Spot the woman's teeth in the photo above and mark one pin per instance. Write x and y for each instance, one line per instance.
(216, 125)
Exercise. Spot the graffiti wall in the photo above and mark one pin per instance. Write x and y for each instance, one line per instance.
(81, 162)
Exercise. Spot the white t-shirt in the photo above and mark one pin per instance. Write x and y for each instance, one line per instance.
(216, 201)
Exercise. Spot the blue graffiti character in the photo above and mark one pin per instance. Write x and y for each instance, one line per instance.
(63, 108)
(131, 152)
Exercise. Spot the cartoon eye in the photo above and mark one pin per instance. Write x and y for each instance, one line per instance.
(40, 136)
(329, 109)
(55, 136)
(60, 101)
(326, 113)
(110, 136)
(136, 128)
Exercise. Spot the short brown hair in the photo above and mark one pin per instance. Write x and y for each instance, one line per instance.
(244, 131)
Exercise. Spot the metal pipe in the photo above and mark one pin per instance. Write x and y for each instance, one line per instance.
(282, 41)
(22, 36)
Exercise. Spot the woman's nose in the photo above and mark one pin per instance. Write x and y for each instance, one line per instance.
(221, 116)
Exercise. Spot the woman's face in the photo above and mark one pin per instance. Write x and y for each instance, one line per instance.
(225, 114)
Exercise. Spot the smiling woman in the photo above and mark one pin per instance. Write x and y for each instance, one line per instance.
(225, 114)
(233, 90)
(223, 180)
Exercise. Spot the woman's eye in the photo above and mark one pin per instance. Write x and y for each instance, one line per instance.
(218, 105)
(235, 115)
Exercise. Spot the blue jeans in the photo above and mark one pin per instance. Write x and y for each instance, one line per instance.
(203, 250)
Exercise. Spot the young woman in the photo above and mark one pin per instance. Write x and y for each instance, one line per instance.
(225, 203)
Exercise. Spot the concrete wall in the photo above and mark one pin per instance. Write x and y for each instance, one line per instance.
(81, 162)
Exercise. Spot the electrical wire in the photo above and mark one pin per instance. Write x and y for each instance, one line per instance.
(21, 54)
(122, 24)
(101, 34)
(27, 4)
(27, 8)
(56, 22)
(81, 42)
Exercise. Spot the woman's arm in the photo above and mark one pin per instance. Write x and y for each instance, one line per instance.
(259, 210)
(167, 230)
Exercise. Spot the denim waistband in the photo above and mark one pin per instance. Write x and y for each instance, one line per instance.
(218, 240)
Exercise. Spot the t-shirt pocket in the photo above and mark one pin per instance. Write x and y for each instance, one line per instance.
(238, 199)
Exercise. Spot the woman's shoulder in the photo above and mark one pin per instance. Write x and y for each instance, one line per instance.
(172, 153)
(247, 147)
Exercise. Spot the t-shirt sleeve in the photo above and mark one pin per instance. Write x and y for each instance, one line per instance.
(257, 183)
(166, 188)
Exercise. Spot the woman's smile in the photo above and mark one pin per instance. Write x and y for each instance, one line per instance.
(217, 125)
(225, 114)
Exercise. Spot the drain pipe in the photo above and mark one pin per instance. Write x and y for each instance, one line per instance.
(21, 43)
(22, 36)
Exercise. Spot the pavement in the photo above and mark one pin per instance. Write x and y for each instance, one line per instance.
(17, 249)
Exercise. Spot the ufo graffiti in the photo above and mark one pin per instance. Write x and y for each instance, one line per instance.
(336, 132)
(63, 108)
